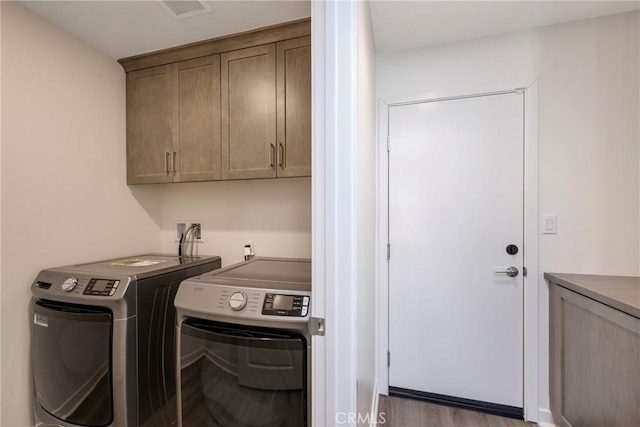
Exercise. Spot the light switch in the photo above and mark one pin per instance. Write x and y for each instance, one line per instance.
(549, 224)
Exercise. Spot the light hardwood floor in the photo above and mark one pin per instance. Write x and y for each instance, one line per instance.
(411, 413)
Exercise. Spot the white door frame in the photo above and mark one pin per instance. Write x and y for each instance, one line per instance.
(334, 125)
(533, 278)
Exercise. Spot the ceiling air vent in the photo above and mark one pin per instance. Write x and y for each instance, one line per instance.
(181, 9)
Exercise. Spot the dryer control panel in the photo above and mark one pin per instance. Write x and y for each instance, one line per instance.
(285, 305)
(265, 303)
(213, 301)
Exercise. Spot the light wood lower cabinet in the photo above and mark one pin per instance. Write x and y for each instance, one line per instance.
(594, 362)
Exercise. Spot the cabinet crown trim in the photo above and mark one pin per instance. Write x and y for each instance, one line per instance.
(265, 35)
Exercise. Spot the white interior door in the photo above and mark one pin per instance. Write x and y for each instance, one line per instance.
(455, 204)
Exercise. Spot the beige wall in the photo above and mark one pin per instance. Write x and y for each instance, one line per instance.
(64, 196)
(274, 214)
(589, 152)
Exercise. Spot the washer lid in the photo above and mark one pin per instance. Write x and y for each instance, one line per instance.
(142, 266)
(273, 273)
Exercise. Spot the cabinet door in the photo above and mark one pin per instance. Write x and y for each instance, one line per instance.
(249, 113)
(293, 62)
(196, 141)
(149, 125)
(594, 362)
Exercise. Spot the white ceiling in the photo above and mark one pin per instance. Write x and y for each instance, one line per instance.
(402, 25)
(126, 28)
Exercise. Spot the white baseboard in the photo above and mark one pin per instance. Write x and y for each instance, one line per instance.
(373, 420)
(545, 418)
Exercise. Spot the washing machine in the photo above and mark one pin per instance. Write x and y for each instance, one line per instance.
(103, 341)
(243, 345)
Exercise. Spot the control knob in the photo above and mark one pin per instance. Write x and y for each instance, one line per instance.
(69, 284)
(237, 301)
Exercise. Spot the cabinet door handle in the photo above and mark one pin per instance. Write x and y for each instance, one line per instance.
(166, 162)
(272, 157)
(174, 162)
(281, 156)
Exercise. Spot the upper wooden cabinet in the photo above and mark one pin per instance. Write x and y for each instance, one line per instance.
(242, 111)
(266, 111)
(149, 125)
(196, 115)
(293, 71)
(173, 122)
(249, 113)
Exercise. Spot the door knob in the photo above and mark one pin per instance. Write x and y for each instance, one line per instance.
(509, 271)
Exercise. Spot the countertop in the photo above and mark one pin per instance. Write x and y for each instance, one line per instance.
(619, 292)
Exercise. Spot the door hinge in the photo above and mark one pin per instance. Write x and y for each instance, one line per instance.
(316, 326)
(388, 359)
(388, 142)
(388, 251)
(524, 271)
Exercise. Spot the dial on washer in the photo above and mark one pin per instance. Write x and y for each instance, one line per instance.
(237, 301)
(69, 284)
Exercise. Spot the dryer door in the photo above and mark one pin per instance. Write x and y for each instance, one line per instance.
(71, 350)
(241, 376)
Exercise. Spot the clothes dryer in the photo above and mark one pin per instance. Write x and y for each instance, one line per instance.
(103, 341)
(244, 349)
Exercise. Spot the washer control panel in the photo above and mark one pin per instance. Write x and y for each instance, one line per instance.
(285, 305)
(51, 283)
(101, 287)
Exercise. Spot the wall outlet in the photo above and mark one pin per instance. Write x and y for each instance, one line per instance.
(182, 226)
(248, 250)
